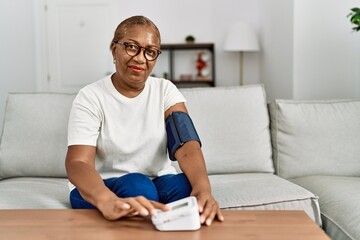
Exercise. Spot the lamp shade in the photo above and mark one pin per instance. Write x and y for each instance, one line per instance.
(241, 38)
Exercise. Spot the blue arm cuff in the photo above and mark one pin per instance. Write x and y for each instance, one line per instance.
(180, 129)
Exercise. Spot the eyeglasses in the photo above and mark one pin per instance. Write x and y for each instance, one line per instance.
(133, 50)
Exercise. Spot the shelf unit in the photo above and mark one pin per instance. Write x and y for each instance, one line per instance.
(172, 48)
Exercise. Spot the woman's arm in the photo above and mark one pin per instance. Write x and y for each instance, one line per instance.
(80, 167)
(192, 163)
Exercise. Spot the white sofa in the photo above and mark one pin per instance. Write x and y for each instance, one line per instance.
(314, 147)
(316, 144)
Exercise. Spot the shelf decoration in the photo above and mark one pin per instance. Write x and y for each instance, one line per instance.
(202, 63)
(201, 66)
(190, 39)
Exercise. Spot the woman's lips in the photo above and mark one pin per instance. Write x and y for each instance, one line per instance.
(136, 68)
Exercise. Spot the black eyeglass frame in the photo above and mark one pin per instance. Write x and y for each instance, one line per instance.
(127, 45)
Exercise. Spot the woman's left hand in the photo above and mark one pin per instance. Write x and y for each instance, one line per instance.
(208, 208)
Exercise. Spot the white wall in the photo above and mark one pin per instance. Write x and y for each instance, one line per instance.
(17, 49)
(309, 50)
(276, 20)
(326, 50)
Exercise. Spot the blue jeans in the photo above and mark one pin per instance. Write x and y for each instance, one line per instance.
(164, 189)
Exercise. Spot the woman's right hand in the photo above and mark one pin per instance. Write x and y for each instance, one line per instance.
(80, 167)
(114, 207)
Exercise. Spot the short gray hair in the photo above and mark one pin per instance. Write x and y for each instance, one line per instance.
(122, 28)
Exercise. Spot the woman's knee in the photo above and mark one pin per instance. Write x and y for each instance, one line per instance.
(172, 187)
(78, 202)
(133, 185)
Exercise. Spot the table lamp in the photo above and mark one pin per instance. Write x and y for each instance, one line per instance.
(241, 38)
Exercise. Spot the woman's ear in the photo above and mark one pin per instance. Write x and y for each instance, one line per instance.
(113, 48)
(113, 52)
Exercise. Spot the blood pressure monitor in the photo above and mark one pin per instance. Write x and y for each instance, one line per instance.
(182, 216)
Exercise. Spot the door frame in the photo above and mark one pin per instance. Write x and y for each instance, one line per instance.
(41, 48)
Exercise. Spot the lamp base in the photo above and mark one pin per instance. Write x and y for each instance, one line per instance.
(241, 68)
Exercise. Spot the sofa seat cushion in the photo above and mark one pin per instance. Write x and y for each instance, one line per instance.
(34, 193)
(263, 191)
(319, 137)
(233, 125)
(339, 199)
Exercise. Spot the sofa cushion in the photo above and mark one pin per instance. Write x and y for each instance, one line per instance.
(34, 193)
(34, 141)
(339, 199)
(316, 137)
(263, 191)
(233, 125)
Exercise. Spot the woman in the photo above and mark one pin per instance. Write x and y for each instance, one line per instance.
(117, 160)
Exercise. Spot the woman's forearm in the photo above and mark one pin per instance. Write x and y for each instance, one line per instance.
(191, 162)
(83, 175)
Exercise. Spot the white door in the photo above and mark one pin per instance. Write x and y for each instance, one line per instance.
(77, 35)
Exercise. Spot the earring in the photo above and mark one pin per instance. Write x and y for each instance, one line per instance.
(114, 61)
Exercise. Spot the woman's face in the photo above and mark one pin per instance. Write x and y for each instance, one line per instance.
(132, 71)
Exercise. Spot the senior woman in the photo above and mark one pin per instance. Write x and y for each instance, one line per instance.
(117, 158)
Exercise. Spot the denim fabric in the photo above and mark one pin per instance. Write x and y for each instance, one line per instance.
(164, 189)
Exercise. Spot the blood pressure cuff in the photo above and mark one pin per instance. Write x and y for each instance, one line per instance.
(180, 129)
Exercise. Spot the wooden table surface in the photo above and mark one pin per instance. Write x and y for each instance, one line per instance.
(89, 224)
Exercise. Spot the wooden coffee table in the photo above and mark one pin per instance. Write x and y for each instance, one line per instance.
(89, 224)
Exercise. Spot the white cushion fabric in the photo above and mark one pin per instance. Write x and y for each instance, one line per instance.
(263, 191)
(34, 193)
(233, 125)
(33, 142)
(316, 137)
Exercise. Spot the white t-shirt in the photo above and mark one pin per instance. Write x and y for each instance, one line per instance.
(129, 133)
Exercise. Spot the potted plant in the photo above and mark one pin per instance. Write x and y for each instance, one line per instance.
(355, 18)
(190, 39)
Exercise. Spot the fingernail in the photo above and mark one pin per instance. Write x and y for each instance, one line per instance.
(153, 212)
(126, 206)
(144, 212)
(202, 219)
(208, 222)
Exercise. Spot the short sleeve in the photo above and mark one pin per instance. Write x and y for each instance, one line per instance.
(85, 120)
(172, 95)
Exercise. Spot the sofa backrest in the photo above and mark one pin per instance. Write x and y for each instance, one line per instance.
(232, 122)
(233, 125)
(316, 137)
(34, 137)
